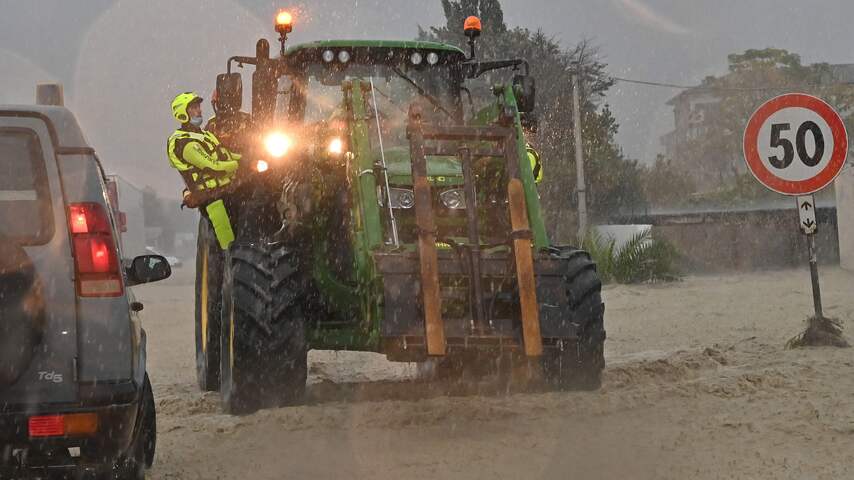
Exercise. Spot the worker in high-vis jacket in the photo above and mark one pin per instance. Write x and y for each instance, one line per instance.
(205, 165)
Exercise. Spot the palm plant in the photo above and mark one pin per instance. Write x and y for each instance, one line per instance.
(643, 258)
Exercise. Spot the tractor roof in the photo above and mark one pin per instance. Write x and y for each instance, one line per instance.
(390, 44)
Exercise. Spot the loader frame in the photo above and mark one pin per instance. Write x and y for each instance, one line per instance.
(500, 142)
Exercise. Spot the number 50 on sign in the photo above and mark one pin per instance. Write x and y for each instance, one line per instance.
(795, 144)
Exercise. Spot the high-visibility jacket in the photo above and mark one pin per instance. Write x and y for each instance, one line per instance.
(536, 164)
(201, 160)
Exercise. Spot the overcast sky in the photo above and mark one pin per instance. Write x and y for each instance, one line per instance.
(122, 61)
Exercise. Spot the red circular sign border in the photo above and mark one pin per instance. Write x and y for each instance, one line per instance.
(800, 187)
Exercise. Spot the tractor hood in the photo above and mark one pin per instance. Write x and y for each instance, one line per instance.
(443, 171)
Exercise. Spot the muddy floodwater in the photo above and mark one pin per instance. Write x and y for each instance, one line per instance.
(698, 385)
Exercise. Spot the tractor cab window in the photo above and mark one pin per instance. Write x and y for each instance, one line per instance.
(322, 98)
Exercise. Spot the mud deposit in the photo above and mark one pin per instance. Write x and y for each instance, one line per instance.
(698, 385)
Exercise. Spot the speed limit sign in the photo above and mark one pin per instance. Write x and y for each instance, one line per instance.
(795, 144)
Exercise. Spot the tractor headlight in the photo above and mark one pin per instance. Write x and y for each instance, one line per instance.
(453, 198)
(416, 58)
(343, 56)
(401, 198)
(328, 56)
(261, 166)
(432, 58)
(277, 144)
(336, 146)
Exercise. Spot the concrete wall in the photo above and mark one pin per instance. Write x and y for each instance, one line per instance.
(845, 214)
(743, 241)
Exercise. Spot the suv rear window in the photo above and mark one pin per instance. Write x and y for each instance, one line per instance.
(25, 208)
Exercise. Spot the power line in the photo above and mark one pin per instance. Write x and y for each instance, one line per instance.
(654, 84)
(701, 88)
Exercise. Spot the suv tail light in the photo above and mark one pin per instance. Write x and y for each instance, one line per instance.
(96, 262)
(63, 425)
(46, 426)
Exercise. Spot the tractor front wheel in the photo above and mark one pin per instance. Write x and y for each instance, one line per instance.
(264, 354)
(578, 364)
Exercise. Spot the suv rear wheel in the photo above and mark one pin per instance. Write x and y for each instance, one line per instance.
(22, 312)
(140, 455)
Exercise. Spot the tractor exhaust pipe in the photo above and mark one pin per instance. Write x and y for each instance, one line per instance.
(394, 233)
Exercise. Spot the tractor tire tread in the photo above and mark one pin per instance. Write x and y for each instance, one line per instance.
(271, 336)
(579, 365)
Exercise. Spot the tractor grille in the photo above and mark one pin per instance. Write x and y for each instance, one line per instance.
(494, 224)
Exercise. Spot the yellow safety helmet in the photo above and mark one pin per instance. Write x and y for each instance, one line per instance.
(180, 104)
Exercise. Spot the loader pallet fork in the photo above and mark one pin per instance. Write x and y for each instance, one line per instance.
(492, 141)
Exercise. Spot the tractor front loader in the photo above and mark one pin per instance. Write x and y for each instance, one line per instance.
(501, 301)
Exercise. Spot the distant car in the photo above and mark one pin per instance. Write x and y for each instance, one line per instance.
(173, 261)
(75, 399)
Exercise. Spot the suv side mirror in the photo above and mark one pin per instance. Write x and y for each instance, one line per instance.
(229, 87)
(525, 89)
(147, 269)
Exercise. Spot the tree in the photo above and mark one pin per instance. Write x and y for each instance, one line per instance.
(714, 154)
(613, 181)
(489, 11)
(666, 185)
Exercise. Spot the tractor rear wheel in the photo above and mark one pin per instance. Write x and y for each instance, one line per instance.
(209, 263)
(578, 364)
(264, 354)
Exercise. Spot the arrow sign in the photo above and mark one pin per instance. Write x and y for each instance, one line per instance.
(806, 212)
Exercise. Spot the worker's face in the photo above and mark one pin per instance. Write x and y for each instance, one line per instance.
(195, 110)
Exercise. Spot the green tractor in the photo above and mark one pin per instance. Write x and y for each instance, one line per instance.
(379, 209)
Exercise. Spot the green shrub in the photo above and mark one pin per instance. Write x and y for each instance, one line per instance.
(644, 258)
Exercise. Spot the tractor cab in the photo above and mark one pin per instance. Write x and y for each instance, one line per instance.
(343, 100)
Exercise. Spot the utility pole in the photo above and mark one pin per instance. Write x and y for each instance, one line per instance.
(580, 186)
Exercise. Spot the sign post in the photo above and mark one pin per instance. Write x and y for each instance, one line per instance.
(809, 227)
(796, 144)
